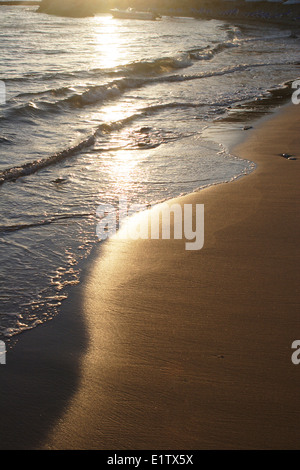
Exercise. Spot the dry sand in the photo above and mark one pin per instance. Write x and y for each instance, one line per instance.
(192, 349)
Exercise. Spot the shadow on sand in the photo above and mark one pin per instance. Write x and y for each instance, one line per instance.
(41, 375)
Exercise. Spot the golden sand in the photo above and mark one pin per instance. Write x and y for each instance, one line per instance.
(192, 349)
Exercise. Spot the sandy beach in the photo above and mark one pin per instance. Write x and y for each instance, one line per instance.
(163, 348)
(193, 349)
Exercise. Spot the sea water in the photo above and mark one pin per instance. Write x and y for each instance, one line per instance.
(98, 108)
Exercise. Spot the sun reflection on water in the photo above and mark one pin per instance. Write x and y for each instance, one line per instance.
(109, 43)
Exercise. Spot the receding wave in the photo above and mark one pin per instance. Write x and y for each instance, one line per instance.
(48, 221)
(12, 174)
(29, 168)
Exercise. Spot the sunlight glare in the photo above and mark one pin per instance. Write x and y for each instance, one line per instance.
(108, 42)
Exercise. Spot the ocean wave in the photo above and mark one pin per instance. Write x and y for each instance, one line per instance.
(47, 221)
(12, 174)
(131, 75)
(156, 66)
(5, 140)
(29, 168)
(208, 53)
(32, 109)
(145, 67)
(95, 94)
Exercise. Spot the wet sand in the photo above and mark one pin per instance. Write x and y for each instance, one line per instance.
(192, 349)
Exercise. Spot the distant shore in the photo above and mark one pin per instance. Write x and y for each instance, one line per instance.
(20, 3)
(269, 12)
(242, 11)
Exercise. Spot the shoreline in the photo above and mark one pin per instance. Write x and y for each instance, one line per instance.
(61, 381)
(154, 375)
